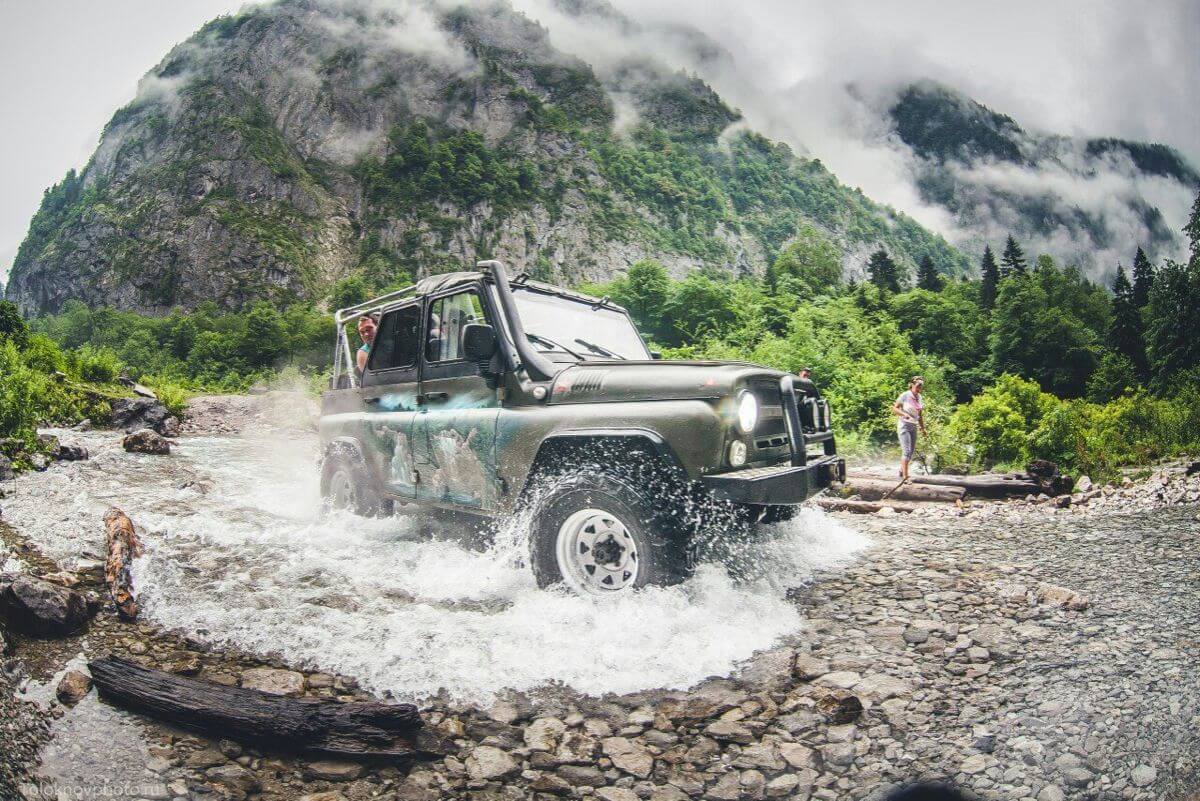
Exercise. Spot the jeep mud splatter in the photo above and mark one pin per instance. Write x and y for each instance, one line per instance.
(487, 397)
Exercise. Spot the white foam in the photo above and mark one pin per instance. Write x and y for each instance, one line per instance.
(237, 554)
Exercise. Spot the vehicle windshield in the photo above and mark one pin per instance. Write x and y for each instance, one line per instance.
(557, 324)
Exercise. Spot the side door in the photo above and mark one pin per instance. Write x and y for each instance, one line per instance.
(389, 389)
(456, 428)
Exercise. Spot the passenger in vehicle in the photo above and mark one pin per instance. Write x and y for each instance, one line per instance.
(807, 385)
(368, 325)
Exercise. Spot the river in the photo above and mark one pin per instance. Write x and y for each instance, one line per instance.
(237, 553)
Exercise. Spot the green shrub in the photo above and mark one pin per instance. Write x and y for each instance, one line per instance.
(100, 365)
(170, 394)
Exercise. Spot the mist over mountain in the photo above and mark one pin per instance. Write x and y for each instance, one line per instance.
(304, 141)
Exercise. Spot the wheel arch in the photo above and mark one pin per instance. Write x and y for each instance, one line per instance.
(570, 442)
(350, 447)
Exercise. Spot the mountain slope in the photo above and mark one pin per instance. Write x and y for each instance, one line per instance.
(304, 141)
(1079, 199)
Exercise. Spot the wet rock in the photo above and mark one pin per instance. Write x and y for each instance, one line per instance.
(1062, 596)
(42, 609)
(1051, 792)
(1143, 776)
(328, 795)
(488, 762)
(39, 461)
(729, 731)
(576, 748)
(628, 756)
(770, 669)
(334, 771)
(707, 701)
(233, 777)
(797, 755)
(133, 414)
(205, 758)
(274, 681)
(839, 706)
(668, 792)
(549, 783)
(6, 469)
(6, 646)
(72, 687)
(616, 794)
(71, 453)
(782, 786)
(842, 679)
(544, 734)
(808, 667)
(146, 441)
(841, 754)
(727, 788)
(582, 775)
(1083, 484)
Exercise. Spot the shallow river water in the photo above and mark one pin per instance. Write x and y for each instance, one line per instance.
(238, 554)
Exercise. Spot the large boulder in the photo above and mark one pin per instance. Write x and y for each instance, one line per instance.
(42, 609)
(146, 441)
(133, 414)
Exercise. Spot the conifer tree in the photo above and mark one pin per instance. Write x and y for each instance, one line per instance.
(1126, 333)
(1143, 278)
(927, 275)
(883, 271)
(1012, 262)
(990, 275)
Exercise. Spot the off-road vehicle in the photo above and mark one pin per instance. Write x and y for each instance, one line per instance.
(490, 397)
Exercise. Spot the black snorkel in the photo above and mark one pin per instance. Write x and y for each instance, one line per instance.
(536, 365)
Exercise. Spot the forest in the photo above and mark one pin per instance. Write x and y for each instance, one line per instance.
(1028, 360)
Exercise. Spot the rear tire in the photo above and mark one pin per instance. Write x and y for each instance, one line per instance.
(346, 484)
(599, 533)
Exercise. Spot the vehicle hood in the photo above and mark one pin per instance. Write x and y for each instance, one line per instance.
(616, 381)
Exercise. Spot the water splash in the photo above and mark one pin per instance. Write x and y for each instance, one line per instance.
(237, 553)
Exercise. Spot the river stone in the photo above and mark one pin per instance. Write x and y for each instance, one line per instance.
(841, 679)
(6, 469)
(576, 748)
(727, 788)
(1083, 484)
(132, 414)
(729, 731)
(274, 681)
(488, 762)
(146, 441)
(582, 775)
(808, 667)
(73, 686)
(707, 701)
(782, 786)
(42, 609)
(616, 794)
(797, 755)
(1143, 776)
(71, 453)
(544, 733)
(628, 756)
(1051, 792)
(839, 706)
(1062, 596)
(334, 771)
(328, 795)
(668, 792)
(233, 777)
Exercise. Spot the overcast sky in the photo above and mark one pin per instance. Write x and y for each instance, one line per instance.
(1094, 67)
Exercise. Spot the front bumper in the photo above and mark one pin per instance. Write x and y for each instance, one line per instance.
(778, 485)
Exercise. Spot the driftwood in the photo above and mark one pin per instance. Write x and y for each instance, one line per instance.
(123, 547)
(863, 507)
(875, 489)
(362, 730)
(985, 486)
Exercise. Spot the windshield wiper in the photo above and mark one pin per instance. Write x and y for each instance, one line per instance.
(550, 343)
(594, 348)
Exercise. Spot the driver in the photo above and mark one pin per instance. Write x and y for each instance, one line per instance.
(368, 326)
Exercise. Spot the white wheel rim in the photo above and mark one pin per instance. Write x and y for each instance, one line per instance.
(596, 553)
(342, 493)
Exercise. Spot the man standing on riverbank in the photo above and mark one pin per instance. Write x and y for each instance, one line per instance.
(910, 412)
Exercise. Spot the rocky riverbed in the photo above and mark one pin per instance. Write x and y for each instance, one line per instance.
(1018, 651)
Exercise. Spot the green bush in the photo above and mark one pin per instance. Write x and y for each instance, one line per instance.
(100, 365)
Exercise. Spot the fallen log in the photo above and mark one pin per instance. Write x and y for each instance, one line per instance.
(863, 507)
(985, 486)
(875, 489)
(123, 546)
(323, 726)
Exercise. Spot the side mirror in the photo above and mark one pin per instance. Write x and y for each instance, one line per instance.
(478, 343)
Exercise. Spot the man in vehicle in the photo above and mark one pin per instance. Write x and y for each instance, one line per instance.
(807, 384)
(368, 325)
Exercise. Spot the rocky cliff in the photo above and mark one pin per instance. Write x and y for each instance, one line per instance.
(304, 141)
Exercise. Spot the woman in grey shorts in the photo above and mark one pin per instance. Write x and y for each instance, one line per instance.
(909, 411)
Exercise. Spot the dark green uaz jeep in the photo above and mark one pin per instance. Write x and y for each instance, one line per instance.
(491, 397)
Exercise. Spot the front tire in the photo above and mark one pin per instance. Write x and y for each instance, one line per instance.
(346, 484)
(598, 533)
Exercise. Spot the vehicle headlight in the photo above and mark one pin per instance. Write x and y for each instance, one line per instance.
(737, 453)
(747, 409)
